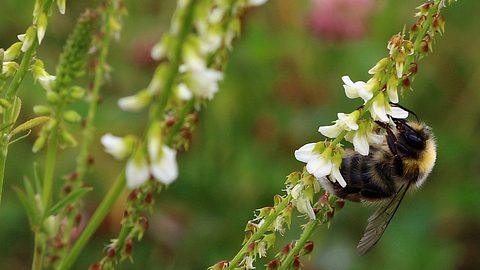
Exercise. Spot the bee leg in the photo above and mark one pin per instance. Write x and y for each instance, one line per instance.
(402, 148)
(392, 142)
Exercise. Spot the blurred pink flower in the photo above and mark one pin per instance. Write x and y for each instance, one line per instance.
(340, 19)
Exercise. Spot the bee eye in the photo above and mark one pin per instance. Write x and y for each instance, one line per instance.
(414, 139)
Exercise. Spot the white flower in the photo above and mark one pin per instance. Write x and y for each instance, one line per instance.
(46, 81)
(28, 38)
(165, 168)
(381, 109)
(118, 147)
(345, 122)
(183, 92)
(392, 84)
(12, 52)
(304, 207)
(203, 82)
(364, 137)
(358, 89)
(336, 176)
(135, 102)
(61, 6)
(317, 164)
(158, 51)
(137, 171)
(9, 68)
(256, 2)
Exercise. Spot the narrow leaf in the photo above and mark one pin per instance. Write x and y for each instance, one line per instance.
(29, 207)
(73, 196)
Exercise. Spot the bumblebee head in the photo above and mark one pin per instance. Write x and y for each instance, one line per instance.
(413, 134)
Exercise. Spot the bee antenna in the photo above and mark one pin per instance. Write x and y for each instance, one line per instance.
(409, 111)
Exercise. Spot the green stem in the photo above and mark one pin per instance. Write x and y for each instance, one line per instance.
(97, 218)
(38, 253)
(3, 161)
(268, 221)
(299, 244)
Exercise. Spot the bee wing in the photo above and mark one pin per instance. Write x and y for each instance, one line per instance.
(378, 222)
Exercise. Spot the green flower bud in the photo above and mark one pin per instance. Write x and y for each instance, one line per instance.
(72, 116)
(76, 93)
(41, 26)
(68, 139)
(9, 69)
(42, 110)
(13, 51)
(61, 6)
(4, 103)
(39, 142)
(52, 97)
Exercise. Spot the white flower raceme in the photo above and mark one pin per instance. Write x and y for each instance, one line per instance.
(345, 122)
(116, 146)
(203, 82)
(381, 109)
(137, 171)
(359, 89)
(135, 102)
(364, 137)
(320, 164)
(247, 262)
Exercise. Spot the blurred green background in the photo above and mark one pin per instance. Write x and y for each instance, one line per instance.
(282, 82)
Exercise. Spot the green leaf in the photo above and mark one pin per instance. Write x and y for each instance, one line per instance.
(29, 206)
(73, 196)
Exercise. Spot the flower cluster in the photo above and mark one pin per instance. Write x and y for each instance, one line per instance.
(200, 64)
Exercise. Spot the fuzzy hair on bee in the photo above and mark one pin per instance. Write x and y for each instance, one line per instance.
(401, 163)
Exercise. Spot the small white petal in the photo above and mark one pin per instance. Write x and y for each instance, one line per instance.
(338, 176)
(360, 144)
(305, 153)
(184, 93)
(378, 110)
(397, 112)
(399, 68)
(322, 167)
(136, 173)
(257, 2)
(296, 191)
(365, 93)
(392, 94)
(114, 145)
(165, 170)
(330, 131)
(375, 138)
(158, 51)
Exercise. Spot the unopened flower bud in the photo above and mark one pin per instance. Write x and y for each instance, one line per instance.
(61, 6)
(308, 247)
(111, 252)
(41, 26)
(273, 265)
(96, 266)
(72, 116)
(296, 264)
(13, 52)
(220, 265)
(129, 247)
(42, 110)
(76, 92)
(9, 69)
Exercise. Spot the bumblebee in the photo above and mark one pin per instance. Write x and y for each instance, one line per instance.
(402, 162)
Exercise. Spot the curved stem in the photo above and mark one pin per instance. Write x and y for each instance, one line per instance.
(299, 244)
(97, 218)
(268, 221)
(38, 252)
